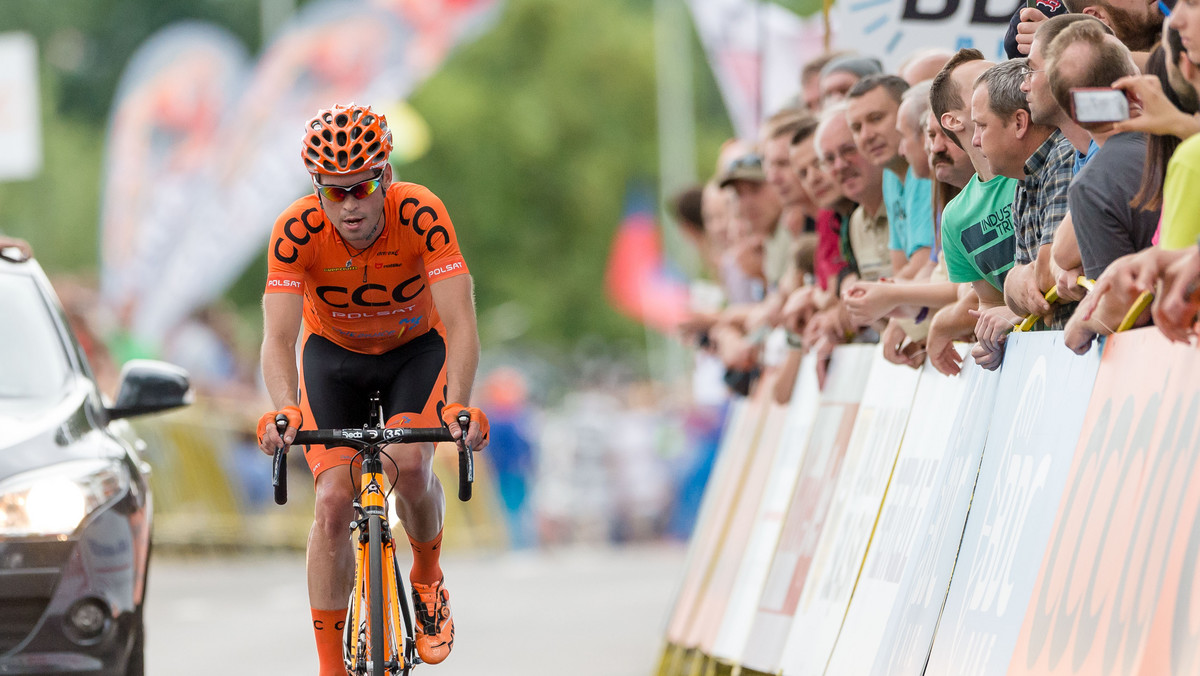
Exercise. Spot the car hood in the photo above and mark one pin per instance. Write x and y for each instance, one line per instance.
(35, 434)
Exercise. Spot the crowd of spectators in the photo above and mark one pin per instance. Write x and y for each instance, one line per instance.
(959, 199)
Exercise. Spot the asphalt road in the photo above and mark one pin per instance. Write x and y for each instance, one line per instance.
(575, 611)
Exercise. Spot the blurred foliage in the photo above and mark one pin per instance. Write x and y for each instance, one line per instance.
(538, 128)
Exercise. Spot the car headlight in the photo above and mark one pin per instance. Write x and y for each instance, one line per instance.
(54, 500)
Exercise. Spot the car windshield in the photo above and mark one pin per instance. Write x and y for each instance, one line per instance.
(33, 362)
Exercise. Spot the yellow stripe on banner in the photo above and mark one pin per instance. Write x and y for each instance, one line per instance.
(874, 526)
(759, 410)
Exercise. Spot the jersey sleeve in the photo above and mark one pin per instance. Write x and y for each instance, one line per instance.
(436, 238)
(288, 254)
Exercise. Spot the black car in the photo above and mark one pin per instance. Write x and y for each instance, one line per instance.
(75, 505)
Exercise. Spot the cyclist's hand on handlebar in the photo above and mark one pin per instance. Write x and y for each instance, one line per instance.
(477, 429)
(269, 439)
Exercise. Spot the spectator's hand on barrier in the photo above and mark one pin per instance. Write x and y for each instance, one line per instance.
(799, 309)
(993, 326)
(1067, 283)
(898, 349)
(1022, 288)
(987, 359)
(269, 439)
(737, 353)
(940, 344)
(824, 352)
(1130, 274)
(1159, 115)
(758, 318)
(867, 301)
(1175, 309)
(477, 429)
(1077, 335)
(1030, 18)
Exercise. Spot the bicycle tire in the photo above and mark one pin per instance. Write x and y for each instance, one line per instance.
(375, 553)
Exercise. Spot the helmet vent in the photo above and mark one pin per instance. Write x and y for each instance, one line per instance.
(342, 158)
(341, 138)
(341, 120)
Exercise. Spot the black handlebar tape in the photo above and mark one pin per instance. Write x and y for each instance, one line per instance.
(466, 460)
(279, 464)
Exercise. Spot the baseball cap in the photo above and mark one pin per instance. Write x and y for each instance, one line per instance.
(745, 168)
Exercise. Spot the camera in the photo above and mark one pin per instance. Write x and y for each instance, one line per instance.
(1098, 104)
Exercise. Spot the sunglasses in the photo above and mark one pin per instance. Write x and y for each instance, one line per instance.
(360, 190)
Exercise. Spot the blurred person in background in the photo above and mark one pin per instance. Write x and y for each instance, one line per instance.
(923, 64)
(872, 109)
(413, 338)
(511, 452)
(842, 73)
(861, 181)
(810, 80)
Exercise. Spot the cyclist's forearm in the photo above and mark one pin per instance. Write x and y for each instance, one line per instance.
(279, 372)
(462, 360)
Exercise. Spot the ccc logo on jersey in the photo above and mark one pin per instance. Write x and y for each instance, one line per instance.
(412, 206)
(371, 295)
(299, 231)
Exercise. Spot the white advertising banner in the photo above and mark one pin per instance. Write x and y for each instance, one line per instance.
(720, 495)
(893, 29)
(853, 514)
(20, 118)
(781, 483)
(901, 534)
(1040, 407)
(805, 517)
(904, 645)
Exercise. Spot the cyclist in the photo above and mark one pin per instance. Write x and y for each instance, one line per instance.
(373, 269)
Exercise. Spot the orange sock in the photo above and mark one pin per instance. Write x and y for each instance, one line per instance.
(328, 625)
(426, 568)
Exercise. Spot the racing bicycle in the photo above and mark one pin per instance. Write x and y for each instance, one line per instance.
(378, 633)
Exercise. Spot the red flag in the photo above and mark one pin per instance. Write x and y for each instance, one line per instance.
(637, 282)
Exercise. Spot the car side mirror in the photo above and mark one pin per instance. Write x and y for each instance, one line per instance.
(148, 386)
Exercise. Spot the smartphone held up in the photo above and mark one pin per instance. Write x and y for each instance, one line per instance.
(1098, 104)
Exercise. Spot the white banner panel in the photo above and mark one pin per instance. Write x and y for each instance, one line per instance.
(819, 471)
(781, 483)
(870, 459)
(743, 418)
(717, 592)
(1040, 406)
(901, 535)
(20, 118)
(894, 29)
(904, 645)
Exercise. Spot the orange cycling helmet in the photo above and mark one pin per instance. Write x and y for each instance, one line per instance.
(345, 140)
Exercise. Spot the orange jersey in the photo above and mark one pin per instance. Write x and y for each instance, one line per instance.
(373, 300)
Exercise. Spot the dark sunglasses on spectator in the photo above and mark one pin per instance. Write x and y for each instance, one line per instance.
(360, 190)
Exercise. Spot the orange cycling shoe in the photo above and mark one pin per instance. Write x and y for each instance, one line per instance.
(435, 626)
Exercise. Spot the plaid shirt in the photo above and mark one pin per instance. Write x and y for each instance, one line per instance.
(1041, 203)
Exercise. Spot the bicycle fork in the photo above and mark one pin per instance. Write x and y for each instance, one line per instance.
(378, 634)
